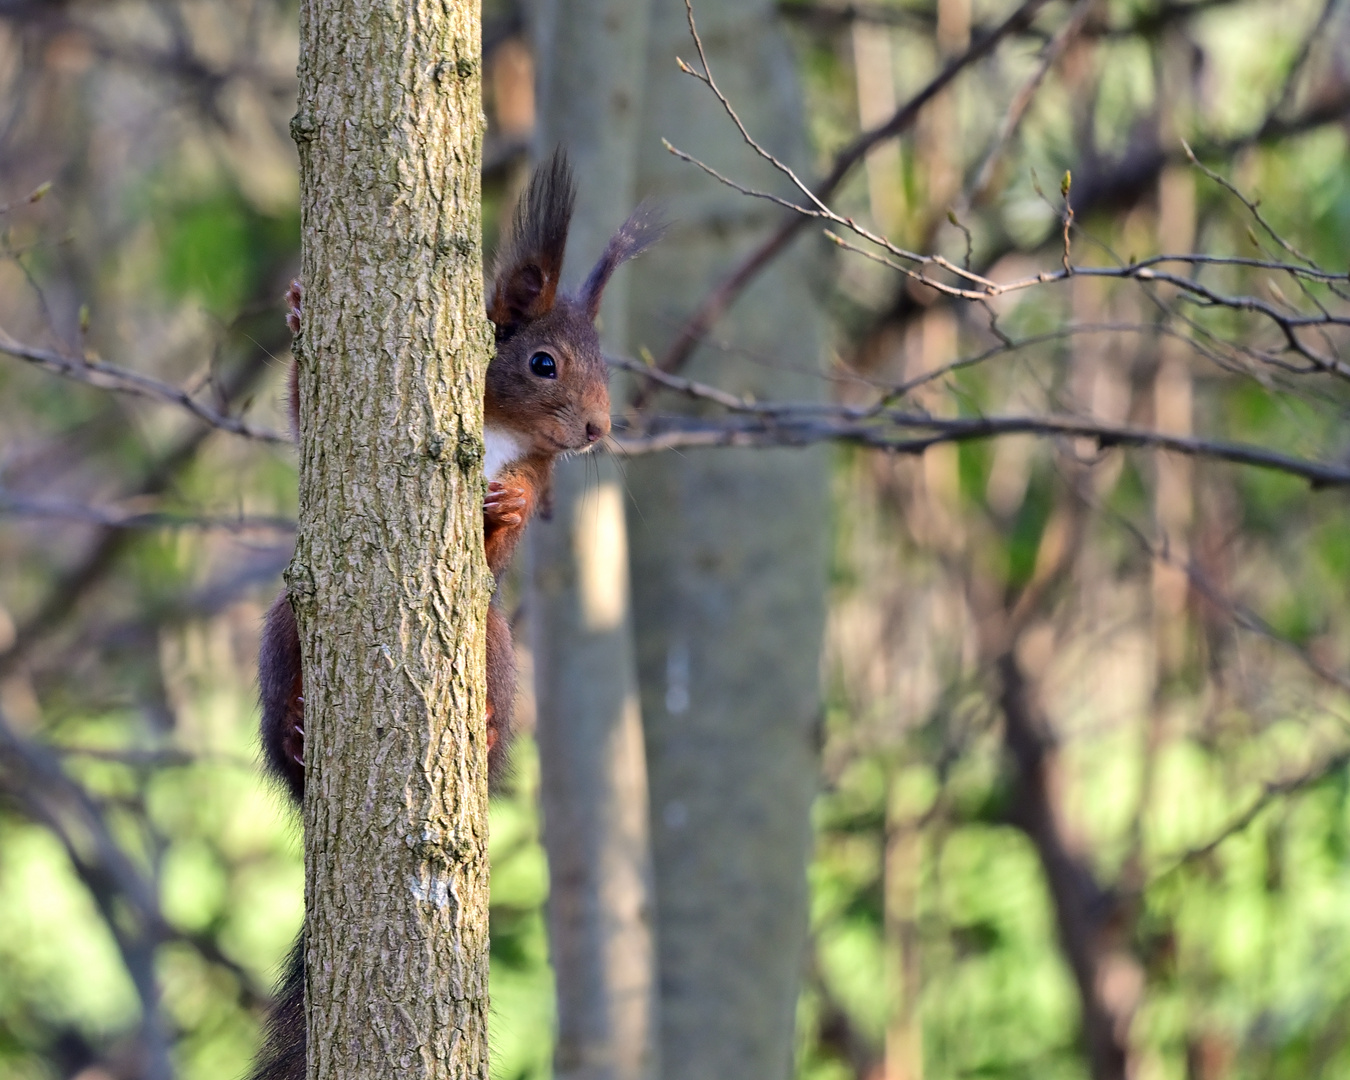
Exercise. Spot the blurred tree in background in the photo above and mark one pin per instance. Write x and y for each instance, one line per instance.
(1083, 805)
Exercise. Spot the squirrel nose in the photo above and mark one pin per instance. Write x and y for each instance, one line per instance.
(596, 431)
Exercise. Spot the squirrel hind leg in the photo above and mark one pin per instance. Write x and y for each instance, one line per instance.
(281, 691)
(283, 703)
(501, 691)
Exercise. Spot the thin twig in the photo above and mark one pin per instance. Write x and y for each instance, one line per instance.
(1021, 101)
(977, 287)
(1242, 617)
(1289, 325)
(1270, 791)
(722, 296)
(113, 518)
(109, 543)
(122, 380)
(803, 425)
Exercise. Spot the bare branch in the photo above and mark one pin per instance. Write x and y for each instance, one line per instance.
(33, 775)
(1050, 55)
(35, 195)
(1270, 791)
(1242, 616)
(681, 385)
(973, 286)
(110, 542)
(122, 380)
(1081, 903)
(706, 76)
(831, 16)
(1314, 35)
(125, 898)
(113, 518)
(721, 297)
(788, 425)
(1142, 271)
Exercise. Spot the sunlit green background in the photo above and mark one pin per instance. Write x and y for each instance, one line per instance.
(164, 243)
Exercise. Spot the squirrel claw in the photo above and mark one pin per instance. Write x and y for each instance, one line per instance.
(294, 295)
(504, 505)
(296, 744)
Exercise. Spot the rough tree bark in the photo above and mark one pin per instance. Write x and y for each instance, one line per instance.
(593, 772)
(388, 581)
(728, 571)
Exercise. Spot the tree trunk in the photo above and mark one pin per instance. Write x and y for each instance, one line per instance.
(1088, 917)
(389, 582)
(728, 569)
(593, 773)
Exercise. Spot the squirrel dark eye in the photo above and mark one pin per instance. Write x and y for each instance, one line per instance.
(544, 365)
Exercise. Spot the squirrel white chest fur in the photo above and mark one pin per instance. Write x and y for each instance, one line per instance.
(503, 447)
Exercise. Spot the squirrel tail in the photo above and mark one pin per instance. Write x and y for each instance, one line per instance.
(282, 1056)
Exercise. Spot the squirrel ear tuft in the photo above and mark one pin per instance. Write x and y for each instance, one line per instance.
(643, 228)
(525, 276)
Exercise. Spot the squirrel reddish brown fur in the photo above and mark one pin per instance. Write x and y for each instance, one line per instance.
(546, 395)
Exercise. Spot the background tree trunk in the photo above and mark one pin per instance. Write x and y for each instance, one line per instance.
(729, 558)
(389, 581)
(593, 783)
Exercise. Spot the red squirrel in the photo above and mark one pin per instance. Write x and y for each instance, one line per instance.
(546, 395)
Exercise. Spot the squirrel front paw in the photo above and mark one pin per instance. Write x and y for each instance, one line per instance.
(288, 752)
(504, 505)
(294, 295)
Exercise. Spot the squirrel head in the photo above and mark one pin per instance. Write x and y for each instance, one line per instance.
(548, 382)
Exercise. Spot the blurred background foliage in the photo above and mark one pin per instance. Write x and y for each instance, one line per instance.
(1179, 626)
